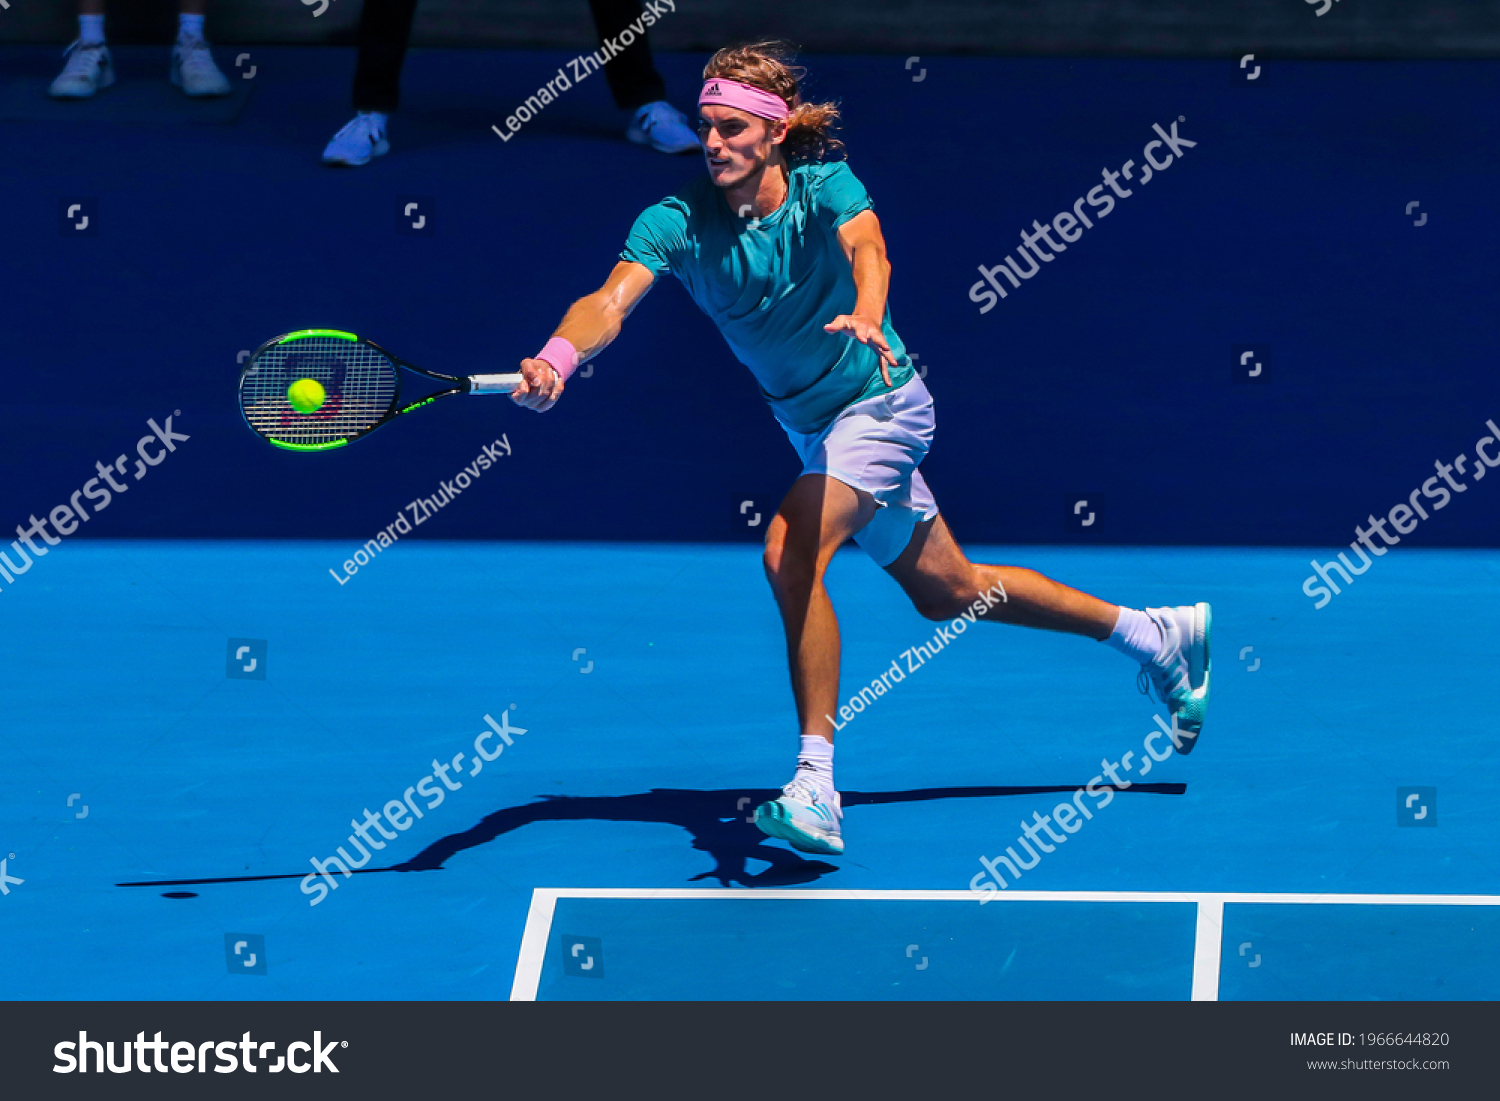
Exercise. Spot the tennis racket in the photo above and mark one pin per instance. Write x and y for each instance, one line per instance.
(317, 389)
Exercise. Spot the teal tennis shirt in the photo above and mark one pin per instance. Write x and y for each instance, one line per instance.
(771, 286)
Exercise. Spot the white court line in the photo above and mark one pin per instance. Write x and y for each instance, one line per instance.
(1207, 940)
(534, 945)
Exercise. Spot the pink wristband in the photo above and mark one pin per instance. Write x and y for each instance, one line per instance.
(561, 356)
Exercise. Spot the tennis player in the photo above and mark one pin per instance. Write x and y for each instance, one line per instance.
(780, 247)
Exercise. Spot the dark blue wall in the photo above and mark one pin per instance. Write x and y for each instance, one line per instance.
(1016, 28)
(1107, 375)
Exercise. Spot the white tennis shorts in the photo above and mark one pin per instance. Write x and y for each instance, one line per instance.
(875, 445)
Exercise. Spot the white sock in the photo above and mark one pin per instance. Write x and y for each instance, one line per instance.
(378, 117)
(815, 763)
(91, 30)
(1136, 635)
(189, 26)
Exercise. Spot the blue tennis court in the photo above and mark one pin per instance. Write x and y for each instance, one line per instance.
(189, 725)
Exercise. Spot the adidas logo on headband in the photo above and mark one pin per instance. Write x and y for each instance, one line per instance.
(744, 97)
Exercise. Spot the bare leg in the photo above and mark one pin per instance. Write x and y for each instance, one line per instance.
(818, 515)
(942, 583)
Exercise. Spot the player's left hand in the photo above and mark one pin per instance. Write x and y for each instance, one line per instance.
(866, 332)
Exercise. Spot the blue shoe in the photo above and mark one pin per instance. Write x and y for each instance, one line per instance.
(1178, 676)
(358, 141)
(802, 817)
(664, 128)
(88, 69)
(193, 69)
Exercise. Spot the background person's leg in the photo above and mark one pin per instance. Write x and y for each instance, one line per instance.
(636, 85)
(193, 69)
(384, 31)
(632, 76)
(88, 67)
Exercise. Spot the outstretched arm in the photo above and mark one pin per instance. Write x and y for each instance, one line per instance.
(864, 248)
(590, 325)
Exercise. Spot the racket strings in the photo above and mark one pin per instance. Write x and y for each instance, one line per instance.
(359, 384)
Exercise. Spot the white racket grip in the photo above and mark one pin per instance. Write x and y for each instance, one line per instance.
(493, 384)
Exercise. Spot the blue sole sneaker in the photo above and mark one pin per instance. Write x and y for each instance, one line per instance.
(802, 817)
(1179, 674)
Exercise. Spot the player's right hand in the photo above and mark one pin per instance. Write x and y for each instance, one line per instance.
(540, 386)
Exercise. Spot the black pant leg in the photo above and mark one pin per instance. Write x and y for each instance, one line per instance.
(384, 31)
(632, 76)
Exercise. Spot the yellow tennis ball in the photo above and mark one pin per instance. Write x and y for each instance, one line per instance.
(306, 395)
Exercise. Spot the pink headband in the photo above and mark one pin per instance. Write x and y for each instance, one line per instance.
(731, 93)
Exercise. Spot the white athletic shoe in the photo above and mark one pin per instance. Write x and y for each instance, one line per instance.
(1179, 674)
(664, 128)
(194, 71)
(88, 69)
(358, 141)
(803, 818)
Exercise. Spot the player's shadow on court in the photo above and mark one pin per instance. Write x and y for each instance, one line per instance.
(720, 823)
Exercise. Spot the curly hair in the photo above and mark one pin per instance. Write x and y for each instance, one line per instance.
(769, 66)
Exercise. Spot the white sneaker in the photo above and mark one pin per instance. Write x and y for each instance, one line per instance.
(664, 128)
(88, 69)
(802, 817)
(194, 71)
(357, 142)
(1179, 674)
